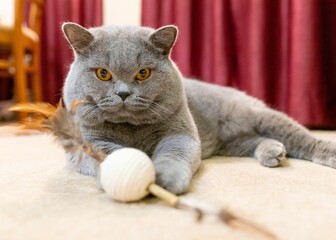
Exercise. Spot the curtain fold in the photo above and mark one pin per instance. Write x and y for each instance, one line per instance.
(280, 51)
(56, 52)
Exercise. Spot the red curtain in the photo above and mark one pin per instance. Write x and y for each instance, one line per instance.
(281, 51)
(56, 52)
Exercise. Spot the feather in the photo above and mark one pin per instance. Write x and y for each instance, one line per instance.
(43, 108)
(33, 123)
(61, 124)
(202, 209)
(41, 111)
(68, 134)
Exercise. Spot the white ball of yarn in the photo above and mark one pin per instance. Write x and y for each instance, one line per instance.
(126, 174)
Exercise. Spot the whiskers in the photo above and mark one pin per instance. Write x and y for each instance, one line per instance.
(89, 110)
(160, 111)
(137, 110)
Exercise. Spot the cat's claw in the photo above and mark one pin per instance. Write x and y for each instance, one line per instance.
(174, 180)
(270, 153)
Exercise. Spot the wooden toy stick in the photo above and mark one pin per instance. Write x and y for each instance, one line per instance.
(225, 216)
(168, 197)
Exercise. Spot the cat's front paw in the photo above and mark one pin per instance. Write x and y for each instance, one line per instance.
(270, 153)
(174, 179)
(82, 163)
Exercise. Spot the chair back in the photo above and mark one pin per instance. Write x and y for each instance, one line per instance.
(34, 17)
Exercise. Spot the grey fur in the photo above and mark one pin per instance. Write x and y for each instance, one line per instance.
(161, 113)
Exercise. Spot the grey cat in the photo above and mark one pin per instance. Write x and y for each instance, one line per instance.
(138, 98)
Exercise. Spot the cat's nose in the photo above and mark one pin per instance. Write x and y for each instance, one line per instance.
(123, 94)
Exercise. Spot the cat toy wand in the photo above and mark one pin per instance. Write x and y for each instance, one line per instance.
(126, 175)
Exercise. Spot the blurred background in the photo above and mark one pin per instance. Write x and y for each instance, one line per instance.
(280, 51)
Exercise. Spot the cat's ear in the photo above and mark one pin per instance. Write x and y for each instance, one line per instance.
(77, 36)
(164, 38)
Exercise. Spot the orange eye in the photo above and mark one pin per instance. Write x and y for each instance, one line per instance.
(143, 74)
(103, 74)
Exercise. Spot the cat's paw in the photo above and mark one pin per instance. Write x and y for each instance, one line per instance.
(270, 153)
(174, 179)
(82, 163)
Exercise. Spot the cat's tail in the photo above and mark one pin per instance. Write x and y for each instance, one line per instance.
(298, 141)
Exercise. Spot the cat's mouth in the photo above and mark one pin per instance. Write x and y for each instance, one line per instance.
(110, 106)
(135, 110)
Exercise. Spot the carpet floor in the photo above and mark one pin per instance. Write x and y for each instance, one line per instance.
(41, 199)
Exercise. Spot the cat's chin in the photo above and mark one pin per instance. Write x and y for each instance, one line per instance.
(135, 118)
(124, 120)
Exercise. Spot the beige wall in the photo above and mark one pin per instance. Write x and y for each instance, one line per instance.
(7, 12)
(115, 12)
(121, 12)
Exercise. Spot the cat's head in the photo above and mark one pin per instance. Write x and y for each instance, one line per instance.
(125, 73)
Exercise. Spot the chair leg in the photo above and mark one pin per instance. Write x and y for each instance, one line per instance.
(20, 80)
(36, 78)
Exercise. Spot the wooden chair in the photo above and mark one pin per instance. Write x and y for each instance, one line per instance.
(21, 43)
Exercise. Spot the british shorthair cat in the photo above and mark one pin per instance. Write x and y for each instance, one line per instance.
(138, 98)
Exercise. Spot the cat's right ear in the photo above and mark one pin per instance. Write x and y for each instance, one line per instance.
(78, 36)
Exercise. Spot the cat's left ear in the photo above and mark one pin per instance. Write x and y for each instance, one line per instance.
(164, 38)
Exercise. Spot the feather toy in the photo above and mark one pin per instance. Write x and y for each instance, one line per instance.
(141, 174)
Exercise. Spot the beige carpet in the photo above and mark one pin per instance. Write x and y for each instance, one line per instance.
(40, 199)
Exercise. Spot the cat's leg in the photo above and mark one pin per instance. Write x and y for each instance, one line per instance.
(297, 139)
(84, 164)
(268, 152)
(325, 153)
(176, 158)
